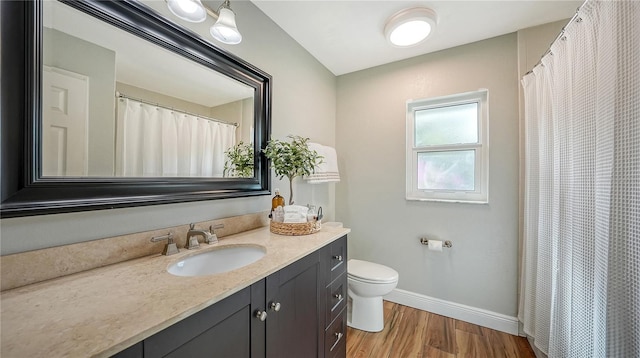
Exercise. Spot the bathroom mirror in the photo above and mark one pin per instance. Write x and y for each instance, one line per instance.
(122, 107)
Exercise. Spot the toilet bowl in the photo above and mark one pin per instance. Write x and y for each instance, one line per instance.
(367, 283)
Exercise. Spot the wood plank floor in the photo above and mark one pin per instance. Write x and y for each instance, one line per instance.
(409, 332)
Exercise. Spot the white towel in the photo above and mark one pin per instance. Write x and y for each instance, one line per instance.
(327, 171)
(295, 214)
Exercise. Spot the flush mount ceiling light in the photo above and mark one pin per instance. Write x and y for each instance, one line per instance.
(224, 29)
(410, 26)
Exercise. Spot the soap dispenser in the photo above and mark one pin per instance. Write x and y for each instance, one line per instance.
(278, 200)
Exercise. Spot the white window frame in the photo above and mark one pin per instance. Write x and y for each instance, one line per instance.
(481, 193)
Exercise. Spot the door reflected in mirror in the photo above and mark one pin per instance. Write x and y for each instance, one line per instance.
(116, 105)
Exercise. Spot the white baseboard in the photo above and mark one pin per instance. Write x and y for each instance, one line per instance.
(481, 317)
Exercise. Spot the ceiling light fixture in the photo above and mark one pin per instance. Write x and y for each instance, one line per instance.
(224, 30)
(410, 26)
(188, 10)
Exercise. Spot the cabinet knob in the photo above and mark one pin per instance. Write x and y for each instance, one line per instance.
(261, 315)
(275, 306)
(337, 257)
(338, 296)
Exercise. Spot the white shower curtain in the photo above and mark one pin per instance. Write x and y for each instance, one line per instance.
(580, 283)
(153, 141)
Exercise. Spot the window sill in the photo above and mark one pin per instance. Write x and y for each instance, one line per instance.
(455, 201)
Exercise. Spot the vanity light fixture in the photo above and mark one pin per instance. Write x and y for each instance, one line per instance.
(188, 10)
(410, 26)
(224, 30)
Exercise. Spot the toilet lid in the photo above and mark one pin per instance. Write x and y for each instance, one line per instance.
(369, 271)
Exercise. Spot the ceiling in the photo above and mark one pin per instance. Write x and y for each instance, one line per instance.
(347, 36)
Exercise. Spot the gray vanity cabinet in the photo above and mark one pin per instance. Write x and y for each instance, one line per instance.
(299, 311)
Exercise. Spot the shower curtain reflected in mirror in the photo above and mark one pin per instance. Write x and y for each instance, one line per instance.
(153, 141)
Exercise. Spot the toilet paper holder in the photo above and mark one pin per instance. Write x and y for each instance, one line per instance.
(447, 243)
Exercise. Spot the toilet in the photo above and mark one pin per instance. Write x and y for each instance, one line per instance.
(367, 283)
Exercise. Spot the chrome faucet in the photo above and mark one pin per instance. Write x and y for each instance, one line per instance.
(192, 237)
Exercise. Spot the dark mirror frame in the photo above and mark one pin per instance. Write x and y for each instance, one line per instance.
(24, 192)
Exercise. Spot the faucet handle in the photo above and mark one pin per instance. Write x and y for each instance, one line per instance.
(217, 226)
(170, 248)
(168, 237)
(212, 238)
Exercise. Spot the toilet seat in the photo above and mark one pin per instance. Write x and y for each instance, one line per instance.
(370, 272)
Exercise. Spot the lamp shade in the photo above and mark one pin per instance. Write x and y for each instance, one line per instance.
(225, 29)
(188, 10)
(410, 26)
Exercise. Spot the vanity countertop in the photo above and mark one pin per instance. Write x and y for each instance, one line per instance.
(103, 311)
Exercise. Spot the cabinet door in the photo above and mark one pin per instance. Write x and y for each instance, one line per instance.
(293, 301)
(228, 338)
(221, 330)
(135, 351)
(258, 327)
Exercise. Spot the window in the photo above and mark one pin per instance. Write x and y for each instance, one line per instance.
(448, 149)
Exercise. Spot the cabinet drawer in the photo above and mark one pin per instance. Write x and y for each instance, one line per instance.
(340, 351)
(336, 297)
(337, 258)
(335, 337)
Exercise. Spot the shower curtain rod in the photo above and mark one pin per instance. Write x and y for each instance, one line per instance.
(575, 17)
(122, 95)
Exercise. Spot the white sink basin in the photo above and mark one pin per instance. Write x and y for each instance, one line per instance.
(221, 260)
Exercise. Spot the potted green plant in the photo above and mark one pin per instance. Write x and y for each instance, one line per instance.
(291, 159)
(239, 161)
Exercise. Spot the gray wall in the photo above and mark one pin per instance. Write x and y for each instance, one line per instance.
(246, 127)
(481, 268)
(167, 101)
(233, 112)
(98, 63)
(304, 103)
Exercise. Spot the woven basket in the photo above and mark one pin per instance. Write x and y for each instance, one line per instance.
(295, 229)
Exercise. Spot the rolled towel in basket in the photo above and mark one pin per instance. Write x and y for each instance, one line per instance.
(295, 214)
